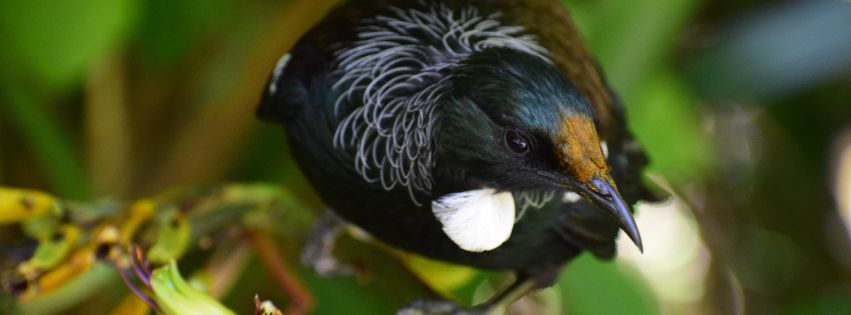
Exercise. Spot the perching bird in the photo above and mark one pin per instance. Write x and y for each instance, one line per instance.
(475, 132)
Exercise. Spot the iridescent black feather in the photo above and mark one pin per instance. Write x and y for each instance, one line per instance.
(379, 146)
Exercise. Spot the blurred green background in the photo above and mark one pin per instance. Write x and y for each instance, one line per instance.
(744, 108)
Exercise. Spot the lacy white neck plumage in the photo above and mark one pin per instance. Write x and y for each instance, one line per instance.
(395, 73)
(533, 199)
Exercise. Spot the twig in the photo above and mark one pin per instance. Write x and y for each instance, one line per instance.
(302, 300)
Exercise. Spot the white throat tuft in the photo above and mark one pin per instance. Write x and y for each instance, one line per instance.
(476, 220)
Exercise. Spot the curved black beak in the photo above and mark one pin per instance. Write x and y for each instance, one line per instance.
(606, 196)
(583, 168)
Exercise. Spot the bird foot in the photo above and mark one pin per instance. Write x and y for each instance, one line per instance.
(424, 307)
(318, 252)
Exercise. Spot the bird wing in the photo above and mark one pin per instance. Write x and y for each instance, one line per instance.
(292, 85)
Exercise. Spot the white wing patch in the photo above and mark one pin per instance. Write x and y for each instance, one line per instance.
(476, 220)
(276, 74)
(396, 72)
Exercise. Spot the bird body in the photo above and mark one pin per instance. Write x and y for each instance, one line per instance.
(461, 130)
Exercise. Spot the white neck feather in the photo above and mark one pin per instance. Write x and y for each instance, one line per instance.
(476, 220)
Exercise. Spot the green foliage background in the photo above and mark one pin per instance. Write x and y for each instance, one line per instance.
(126, 98)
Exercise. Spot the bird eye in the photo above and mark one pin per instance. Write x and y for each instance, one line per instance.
(516, 142)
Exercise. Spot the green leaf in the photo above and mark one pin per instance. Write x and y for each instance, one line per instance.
(632, 38)
(176, 297)
(53, 42)
(169, 30)
(173, 238)
(591, 287)
(665, 120)
(51, 145)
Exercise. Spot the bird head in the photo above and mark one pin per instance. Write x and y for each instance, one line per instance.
(513, 122)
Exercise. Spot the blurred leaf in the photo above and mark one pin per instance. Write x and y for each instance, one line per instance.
(443, 277)
(170, 29)
(761, 55)
(831, 302)
(583, 13)
(93, 282)
(55, 41)
(346, 296)
(381, 286)
(591, 287)
(631, 38)
(666, 122)
(53, 149)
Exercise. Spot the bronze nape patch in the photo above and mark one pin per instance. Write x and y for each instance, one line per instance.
(578, 148)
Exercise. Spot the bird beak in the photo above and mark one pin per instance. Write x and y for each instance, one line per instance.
(602, 192)
(585, 171)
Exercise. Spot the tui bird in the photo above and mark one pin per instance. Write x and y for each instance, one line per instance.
(476, 132)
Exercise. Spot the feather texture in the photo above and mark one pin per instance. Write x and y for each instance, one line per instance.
(397, 70)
